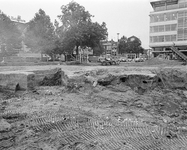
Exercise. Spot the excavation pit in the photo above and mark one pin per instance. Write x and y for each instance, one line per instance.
(99, 110)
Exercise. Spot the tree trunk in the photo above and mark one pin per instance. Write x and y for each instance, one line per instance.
(65, 57)
(77, 49)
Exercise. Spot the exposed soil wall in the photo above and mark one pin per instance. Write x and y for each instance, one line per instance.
(173, 78)
(140, 82)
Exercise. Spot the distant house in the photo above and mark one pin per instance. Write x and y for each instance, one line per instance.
(110, 47)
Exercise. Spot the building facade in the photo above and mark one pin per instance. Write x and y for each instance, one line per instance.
(110, 47)
(168, 26)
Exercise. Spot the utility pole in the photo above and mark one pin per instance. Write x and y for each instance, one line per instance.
(118, 36)
(117, 44)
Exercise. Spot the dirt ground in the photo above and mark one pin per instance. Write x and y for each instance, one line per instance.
(99, 109)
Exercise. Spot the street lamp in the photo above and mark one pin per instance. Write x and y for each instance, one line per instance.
(117, 44)
(118, 36)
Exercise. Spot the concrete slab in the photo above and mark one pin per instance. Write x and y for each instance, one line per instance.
(50, 77)
(28, 80)
(12, 80)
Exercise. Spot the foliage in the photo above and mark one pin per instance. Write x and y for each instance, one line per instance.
(130, 45)
(9, 36)
(40, 36)
(98, 50)
(122, 45)
(134, 45)
(78, 29)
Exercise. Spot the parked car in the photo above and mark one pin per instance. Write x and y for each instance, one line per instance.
(123, 59)
(128, 60)
(101, 58)
(139, 59)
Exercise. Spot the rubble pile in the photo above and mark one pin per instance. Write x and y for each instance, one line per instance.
(52, 79)
(173, 78)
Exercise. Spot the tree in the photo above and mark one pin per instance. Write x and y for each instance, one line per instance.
(40, 35)
(122, 47)
(10, 36)
(134, 45)
(78, 29)
(98, 50)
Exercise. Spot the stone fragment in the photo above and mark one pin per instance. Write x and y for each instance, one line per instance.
(4, 125)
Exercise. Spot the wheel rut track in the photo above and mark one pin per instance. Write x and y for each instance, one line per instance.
(79, 131)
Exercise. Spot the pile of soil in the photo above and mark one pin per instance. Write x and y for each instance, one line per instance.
(161, 61)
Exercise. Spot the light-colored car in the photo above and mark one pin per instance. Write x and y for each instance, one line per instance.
(101, 58)
(123, 59)
(139, 59)
(129, 60)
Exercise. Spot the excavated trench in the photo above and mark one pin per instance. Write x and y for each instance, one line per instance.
(170, 87)
(138, 83)
(166, 79)
(101, 111)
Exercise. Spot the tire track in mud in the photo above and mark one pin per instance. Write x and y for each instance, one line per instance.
(79, 131)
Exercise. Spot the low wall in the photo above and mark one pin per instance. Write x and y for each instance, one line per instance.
(17, 80)
(28, 80)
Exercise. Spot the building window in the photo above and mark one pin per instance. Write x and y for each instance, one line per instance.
(185, 22)
(173, 27)
(182, 26)
(180, 33)
(160, 8)
(172, 6)
(151, 29)
(151, 39)
(156, 29)
(182, 5)
(171, 16)
(152, 18)
(161, 17)
(173, 37)
(155, 39)
(181, 14)
(180, 22)
(167, 28)
(174, 16)
(161, 28)
(185, 34)
(167, 38)
(161, 39)
(168, 17)
(156, 18)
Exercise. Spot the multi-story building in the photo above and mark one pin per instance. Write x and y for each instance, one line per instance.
(168, 26)
(110, 47)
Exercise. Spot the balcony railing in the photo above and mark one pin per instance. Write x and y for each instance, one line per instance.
(170, 7)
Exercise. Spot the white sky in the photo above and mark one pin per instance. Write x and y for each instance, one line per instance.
(127, 17)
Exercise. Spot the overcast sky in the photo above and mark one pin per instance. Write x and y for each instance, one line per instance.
(126, 17)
